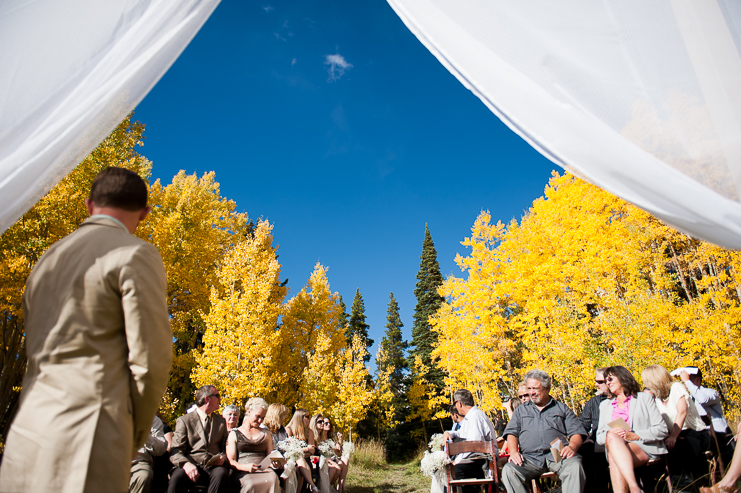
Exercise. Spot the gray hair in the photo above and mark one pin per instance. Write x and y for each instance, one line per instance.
(255, 402)
(540, 376)
(231, 408)
(463, 396)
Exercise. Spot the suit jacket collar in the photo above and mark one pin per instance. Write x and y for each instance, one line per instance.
(104, 220)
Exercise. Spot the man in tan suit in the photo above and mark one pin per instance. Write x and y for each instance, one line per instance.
(99, 350)
(199, 446)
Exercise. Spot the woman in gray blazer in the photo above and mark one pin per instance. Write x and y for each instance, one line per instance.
(627, 450)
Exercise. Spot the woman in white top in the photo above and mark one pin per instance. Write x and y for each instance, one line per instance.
(688, 435)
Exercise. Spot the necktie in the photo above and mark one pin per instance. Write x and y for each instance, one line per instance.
(207, 426)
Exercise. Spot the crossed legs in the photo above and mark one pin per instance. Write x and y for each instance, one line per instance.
(623, 458)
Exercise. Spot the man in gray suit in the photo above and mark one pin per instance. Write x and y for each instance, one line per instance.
(199, 446)
(99, 349)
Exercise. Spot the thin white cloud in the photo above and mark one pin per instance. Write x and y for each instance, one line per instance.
(293, 62)
(336, 66)
(278, 36)
(267, 8)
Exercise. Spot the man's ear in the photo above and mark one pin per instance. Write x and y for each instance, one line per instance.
(145, 212)
(89, 205)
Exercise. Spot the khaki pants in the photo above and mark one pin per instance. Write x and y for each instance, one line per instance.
(141, 477)
(569, 471)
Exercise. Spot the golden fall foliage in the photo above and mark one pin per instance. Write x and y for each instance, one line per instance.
(242, 338)
(586, 280)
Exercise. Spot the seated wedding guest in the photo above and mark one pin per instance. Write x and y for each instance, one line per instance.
(523, 393)
(533, 427)
(688, 437)
(200, 436)
(274, 419)
(732, 477)
(593, 454)
(499, 424)
(510, 407)
(246, 447)
(142, 466)
(162, 464)
(299, 428)
(457, 418)
(475, 426)
(337, 468)
(231, 416)
(708, 400)
(344, 462)
(627, 450)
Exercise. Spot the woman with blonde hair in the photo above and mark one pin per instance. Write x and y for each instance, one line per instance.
(274, 420)
(246, 447)
(299, 428)
(688, 436)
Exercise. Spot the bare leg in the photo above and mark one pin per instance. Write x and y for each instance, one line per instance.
(734, 471)
(305, 473)
(334, 472)
(344, 467)
(624, 457)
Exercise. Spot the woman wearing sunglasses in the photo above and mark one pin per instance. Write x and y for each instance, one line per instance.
(645, 434)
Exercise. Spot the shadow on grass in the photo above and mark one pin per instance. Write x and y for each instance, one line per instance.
(382, 488)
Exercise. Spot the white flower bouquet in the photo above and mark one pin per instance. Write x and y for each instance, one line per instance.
(327, 448)
(292, 448)
(436, 442)
(432, 462)
(347, 449)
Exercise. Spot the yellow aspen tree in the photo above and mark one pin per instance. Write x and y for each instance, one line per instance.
(383, 391)
(193, 227)
(319, 387)
(313, 311)
(353, 393)
(242, 337)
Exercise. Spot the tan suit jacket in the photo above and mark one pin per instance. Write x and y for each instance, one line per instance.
(190, 443)
(99, 349)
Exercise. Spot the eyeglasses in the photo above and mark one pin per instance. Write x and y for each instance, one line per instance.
(523, 395)
(600, 382)
(610, 379)
(320, 421)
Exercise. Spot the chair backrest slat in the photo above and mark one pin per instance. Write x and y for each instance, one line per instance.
(455, 448)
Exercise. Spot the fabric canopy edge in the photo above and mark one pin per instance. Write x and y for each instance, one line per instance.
(693, 223)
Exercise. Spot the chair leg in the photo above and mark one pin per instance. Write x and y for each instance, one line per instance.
(669, 486)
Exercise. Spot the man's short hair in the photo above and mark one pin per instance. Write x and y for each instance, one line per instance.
(453, 410)
(203, 392)
(119, 188)
(464, 397)
(540, 376)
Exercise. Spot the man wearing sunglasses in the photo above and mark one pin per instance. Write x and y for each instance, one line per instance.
(593, 455)
(199, 446)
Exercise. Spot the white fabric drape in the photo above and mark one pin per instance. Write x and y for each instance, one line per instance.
(640, 98)
(70, 72)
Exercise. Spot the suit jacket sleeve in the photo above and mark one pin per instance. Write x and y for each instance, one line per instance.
(180, 449)
(605, 416)
(143, 286)
(655, 428)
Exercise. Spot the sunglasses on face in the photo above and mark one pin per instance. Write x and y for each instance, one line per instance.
(599, 382)
(319, 422)
(523, 395)
(610, 379)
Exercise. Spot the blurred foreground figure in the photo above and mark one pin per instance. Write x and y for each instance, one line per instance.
(99, 350)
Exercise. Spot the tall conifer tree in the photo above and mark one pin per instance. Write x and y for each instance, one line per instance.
(394, 346)
(357, 324)
(429, 279)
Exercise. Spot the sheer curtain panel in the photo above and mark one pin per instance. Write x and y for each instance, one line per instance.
(71, 71)
(640, 98)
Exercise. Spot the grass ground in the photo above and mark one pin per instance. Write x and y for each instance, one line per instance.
(370, 473)
(391, 478)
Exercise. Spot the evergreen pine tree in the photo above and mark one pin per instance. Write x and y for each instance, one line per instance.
(357, 323)
(394, 346)
(429, 279)
(344, 317)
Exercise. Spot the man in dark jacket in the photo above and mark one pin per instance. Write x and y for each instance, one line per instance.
(593, 455)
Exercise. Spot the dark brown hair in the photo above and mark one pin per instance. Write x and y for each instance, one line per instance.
(629, 383)
(119, 188)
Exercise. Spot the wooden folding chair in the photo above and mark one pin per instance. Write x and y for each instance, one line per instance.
(536, 486)
(454, 448)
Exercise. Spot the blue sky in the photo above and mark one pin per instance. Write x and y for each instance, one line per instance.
(332, 121)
